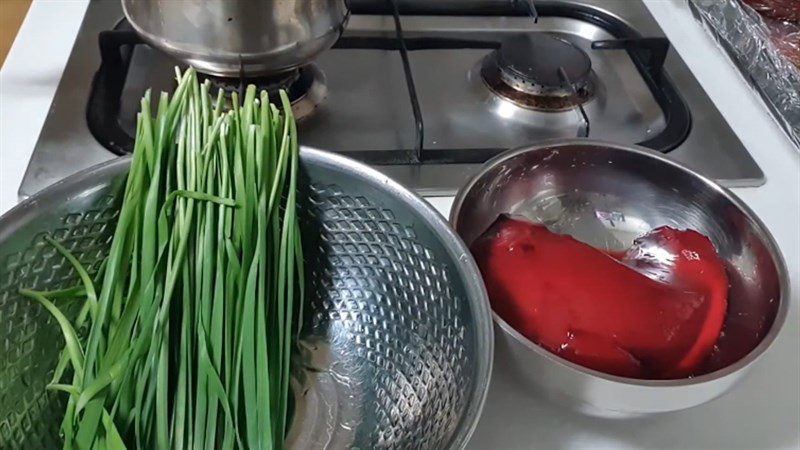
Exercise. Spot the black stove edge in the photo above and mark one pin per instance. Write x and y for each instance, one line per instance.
(646, 53)
(446, 7)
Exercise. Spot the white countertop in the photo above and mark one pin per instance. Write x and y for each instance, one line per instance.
(762, 412)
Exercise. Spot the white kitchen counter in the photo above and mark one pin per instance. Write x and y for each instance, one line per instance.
(762, 412)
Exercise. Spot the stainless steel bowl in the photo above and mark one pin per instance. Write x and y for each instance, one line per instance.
(606, 195)
(397, 338)
(234, 37)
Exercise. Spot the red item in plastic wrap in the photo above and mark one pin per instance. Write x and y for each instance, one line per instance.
(777, 9)
(787, 40)
(782, 18)
(655, 311)
(789, 48)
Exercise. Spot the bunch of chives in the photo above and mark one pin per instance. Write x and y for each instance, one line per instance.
(189, 334)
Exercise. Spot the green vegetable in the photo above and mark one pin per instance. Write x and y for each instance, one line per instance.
(192, 319)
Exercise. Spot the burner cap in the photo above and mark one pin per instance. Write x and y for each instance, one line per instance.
(305, 87)
(296, 83)
(530, 63)
(525, 70)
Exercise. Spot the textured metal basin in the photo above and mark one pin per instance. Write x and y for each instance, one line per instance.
(397, 338)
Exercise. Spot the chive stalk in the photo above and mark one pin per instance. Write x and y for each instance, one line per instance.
(193, 312)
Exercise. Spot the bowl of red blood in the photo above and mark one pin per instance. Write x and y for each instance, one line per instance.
(622, 283)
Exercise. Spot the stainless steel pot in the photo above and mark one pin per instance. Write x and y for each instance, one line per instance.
(231, 37)
(607, 195)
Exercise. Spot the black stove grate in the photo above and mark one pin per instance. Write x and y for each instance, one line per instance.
(647, 54)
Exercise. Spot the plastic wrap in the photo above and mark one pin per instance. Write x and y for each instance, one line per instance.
(786, 37)
(763, 40)
(782, 18)
(777, 9)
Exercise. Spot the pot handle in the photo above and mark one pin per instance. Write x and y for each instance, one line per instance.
(102, 109)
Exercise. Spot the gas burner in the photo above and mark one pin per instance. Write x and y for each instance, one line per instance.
(290, 81)
(304, 86)
(539, 71)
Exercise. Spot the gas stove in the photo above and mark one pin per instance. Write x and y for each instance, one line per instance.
(429, 95)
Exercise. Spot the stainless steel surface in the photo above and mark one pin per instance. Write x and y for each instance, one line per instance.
(607, 195)
(397, 341)
(367, 105)
(231, 37)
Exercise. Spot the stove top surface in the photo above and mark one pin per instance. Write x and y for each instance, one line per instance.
(474, 100)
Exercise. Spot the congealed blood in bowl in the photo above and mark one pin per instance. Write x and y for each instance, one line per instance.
(654, 311)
